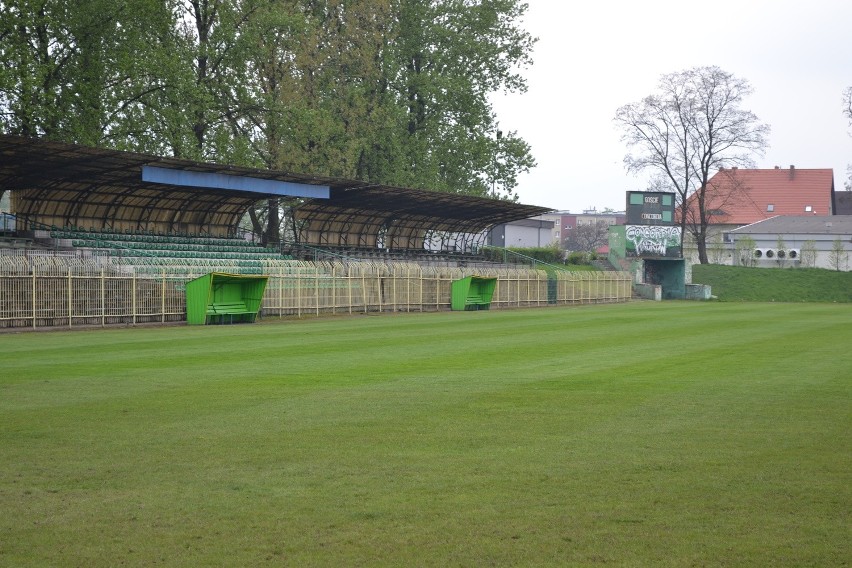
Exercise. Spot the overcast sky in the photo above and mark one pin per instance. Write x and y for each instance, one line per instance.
(593, 57)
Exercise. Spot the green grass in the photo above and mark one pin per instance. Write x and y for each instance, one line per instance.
(744, 284)
(579, 268)
(644, 434)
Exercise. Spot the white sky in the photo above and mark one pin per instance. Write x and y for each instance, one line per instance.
(593, 57)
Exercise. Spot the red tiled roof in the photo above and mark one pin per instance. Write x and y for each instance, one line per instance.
(741, 196)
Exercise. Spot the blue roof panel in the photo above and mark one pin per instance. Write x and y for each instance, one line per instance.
(211, 180)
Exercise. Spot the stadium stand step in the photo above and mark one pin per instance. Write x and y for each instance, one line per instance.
(129, 245)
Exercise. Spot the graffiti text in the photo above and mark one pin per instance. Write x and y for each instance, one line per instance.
(652, 239)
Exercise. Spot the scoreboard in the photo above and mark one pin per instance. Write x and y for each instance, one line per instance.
(650, 208)
(650, 231)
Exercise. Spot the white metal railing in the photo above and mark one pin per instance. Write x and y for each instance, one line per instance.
(55, 291)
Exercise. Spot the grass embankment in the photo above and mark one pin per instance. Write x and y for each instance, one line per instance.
(578, 268)
(739, 283)
(646, 434)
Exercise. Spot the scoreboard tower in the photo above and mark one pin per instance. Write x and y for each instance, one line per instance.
(650, 231)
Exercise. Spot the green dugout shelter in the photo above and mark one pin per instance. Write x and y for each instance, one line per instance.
(219, 297)
(472, 293)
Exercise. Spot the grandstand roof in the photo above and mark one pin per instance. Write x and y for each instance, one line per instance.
(63, 184)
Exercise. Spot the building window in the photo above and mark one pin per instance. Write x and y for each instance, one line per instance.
(770, 207)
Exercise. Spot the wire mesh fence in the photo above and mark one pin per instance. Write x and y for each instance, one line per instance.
(47, 291)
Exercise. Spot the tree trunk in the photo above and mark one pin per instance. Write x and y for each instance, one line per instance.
(273, 224)
(256, 224)
(701, 241)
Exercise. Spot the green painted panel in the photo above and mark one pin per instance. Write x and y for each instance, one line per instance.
(222, 288)
(472, 293)
(650, 208)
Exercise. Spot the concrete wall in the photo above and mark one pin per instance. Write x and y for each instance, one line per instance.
(649, 291)
(720, 251)
(698, 292)
(824, 245)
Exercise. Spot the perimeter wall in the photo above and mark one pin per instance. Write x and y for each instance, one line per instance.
(60, 292)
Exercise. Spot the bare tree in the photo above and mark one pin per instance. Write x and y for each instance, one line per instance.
(716, 249)
(808, 254)
(838, 258)
(744, 251)
(588, 237)
(692, 126)
(781, 252)
(847, 112)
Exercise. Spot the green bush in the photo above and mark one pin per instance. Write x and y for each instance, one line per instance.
(550, 255)
(580, 258)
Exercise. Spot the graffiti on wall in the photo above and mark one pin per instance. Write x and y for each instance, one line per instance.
(655, 240)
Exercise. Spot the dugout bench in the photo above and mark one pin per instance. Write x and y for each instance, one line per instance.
(472, 293)
(220, 298)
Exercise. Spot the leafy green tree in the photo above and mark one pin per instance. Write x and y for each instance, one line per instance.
(318, 91)
(217, 41)
(378, 90)
(448, 56)
(99, 73)
(69, 67)
(314, 76)
(388, 91)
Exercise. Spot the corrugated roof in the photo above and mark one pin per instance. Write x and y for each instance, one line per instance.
(65, 184)
(743, 196)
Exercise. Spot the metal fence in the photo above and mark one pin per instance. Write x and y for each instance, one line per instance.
(40, 292)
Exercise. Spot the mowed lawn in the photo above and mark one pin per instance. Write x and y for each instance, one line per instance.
(643, 434)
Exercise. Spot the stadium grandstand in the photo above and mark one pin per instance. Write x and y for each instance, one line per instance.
(96, 236)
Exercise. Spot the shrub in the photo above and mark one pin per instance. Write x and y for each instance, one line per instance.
(550, 254)
(580, 257)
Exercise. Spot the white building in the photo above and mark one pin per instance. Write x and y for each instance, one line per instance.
(806, 241)
(526, 233)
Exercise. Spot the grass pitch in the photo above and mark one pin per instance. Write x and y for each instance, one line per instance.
(664, 434)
